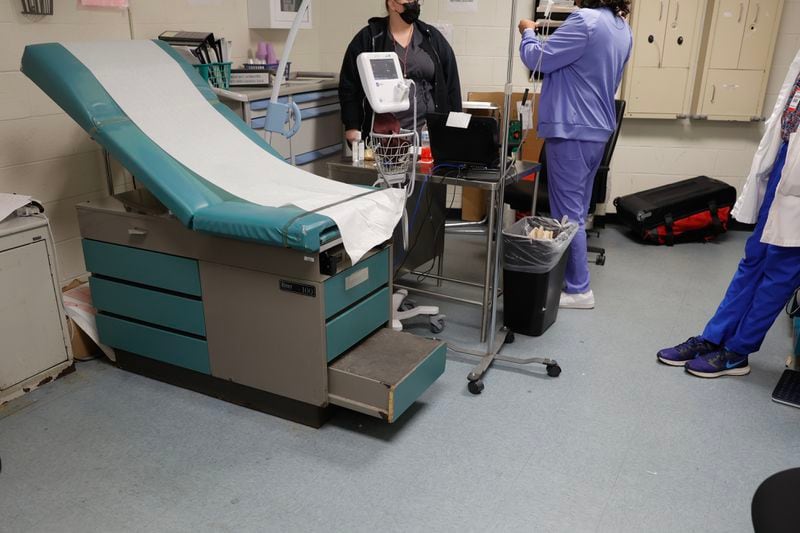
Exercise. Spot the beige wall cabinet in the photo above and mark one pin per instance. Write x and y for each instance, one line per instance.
(739, 42)
(34, 342)
(666, 44)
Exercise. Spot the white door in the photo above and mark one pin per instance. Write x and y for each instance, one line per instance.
(657, 90)
(733, 93)
(31, 339)
(726, 34)
(648, 35)
(759, 32)
(681, 32)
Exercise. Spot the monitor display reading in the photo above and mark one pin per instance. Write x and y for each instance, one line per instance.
(383, 69)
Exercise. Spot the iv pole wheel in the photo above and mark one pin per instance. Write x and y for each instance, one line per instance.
(476, 387)
(553, 370)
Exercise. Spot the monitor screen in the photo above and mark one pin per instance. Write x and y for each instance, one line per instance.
(383, 69)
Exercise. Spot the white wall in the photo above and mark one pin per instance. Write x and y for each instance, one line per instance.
(649, 152)
(43, 153)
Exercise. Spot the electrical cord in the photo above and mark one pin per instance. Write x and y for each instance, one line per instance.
(438, 234)
(438, 230)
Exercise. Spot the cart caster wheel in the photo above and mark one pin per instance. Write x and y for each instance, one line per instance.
(437, 324)
(408, 305)
(601, 260)
(510, 338)
(553, 371)
(475, 387)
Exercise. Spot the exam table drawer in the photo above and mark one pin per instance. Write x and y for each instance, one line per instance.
(348, 328)
(154, 343)
(156, 307)
(164, 271)
(349, 286)
(386, 373)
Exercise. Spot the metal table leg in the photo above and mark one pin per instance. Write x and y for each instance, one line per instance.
(488, 271)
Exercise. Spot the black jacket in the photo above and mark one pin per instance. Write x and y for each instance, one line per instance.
(375, 37)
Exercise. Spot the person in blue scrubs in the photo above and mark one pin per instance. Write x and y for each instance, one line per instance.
(770, 271)
(582, 63)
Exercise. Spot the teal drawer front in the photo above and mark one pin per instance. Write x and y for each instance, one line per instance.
(347, 329)
(159, 308)
(407, 392)
(348, 287)
(141, 266)
(172, 348)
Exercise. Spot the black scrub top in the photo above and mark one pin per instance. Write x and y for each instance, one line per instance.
(417, 65)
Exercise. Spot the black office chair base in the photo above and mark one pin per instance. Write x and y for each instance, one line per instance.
(601, 254)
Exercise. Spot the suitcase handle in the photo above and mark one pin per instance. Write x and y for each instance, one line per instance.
(716, 223)
(668, 222)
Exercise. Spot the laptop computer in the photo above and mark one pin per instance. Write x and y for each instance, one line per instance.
(475, 146)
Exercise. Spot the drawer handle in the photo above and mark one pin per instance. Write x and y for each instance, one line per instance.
(677, 11)
(713, 93)
(758, 10)
(137, 232)
(741, 12)
(661, 12)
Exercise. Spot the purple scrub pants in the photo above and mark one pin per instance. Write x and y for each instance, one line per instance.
(571, 167)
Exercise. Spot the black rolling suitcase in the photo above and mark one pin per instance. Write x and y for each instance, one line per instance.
(697, 209)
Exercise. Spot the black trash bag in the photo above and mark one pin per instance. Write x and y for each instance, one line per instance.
(524, 254)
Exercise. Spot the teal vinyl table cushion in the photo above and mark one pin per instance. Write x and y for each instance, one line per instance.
(194, 201)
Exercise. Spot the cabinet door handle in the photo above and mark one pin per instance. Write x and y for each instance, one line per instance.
(758, 9)
(661, 11)
(713, 93)
(137, 232)
(741, 12)
(677, 11)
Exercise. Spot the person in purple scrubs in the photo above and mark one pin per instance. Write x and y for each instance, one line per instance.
(582, 62)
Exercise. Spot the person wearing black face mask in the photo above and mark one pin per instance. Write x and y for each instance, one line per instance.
(425, 56)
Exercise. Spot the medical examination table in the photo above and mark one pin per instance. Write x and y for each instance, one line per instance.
(257, 305)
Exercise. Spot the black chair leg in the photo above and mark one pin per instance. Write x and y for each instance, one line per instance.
(601, 254)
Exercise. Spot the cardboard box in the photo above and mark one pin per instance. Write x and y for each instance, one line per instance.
(83, 347)
(474, 201)
(533, 144)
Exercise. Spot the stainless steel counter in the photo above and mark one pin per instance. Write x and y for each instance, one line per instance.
(321, 133)
(300, 84)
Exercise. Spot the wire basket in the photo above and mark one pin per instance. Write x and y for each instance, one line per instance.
(217, 74)
(394, 154)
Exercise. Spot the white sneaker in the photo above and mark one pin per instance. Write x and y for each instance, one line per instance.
(583, 300)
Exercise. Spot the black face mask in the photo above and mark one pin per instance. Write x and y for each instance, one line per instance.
(410, 12)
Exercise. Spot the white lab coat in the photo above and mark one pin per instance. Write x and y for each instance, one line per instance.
(783, 222)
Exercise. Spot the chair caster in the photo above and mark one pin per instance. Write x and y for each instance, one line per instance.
(509, 338)
(601, 260)
(553, 370)
(475, 387)
(437, 324)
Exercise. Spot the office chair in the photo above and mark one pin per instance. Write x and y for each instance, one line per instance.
(520, 195)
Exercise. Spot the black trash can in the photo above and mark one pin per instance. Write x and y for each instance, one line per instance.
(533, 274)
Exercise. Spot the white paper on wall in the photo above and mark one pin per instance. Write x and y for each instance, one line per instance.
(105, 3)
(155, 93)
(464, 6)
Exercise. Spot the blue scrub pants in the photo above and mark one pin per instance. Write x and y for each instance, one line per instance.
(763, 283)
(571, 167)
